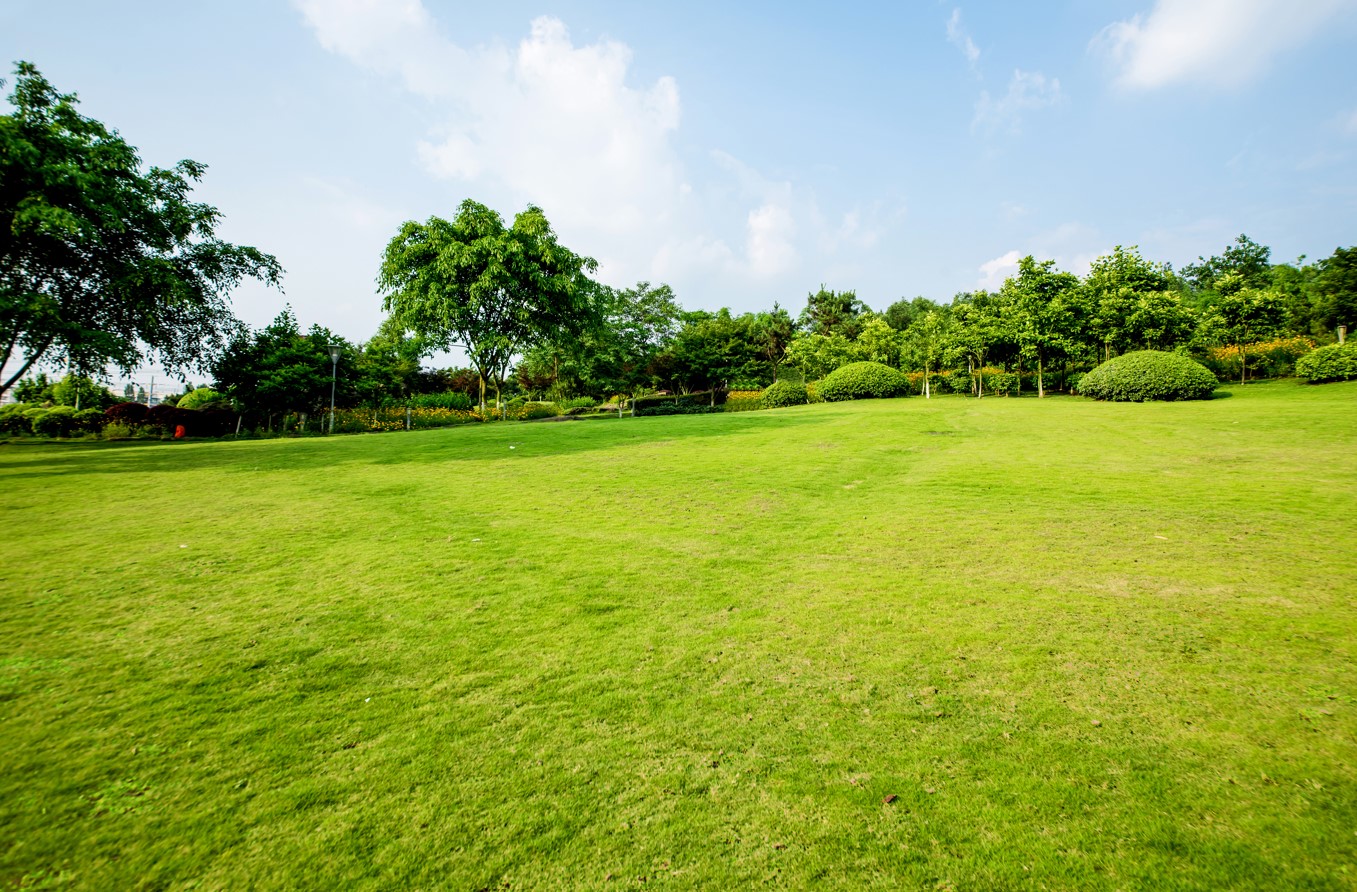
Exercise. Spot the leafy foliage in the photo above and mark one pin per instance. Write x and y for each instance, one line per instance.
(493, 290)
(863, 380)
(101, 262)
(58, 421)
(1149, 375)
(784, 393)
(1336, 362)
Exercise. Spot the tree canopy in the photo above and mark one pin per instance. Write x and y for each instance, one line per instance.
(491, 289)
(100, 261)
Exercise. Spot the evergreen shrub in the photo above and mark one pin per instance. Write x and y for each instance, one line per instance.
(1336, 362)
(861, 381)
(784, 393)
(1149, 375)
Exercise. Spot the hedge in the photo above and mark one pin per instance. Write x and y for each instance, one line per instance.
(1149, 375)
(701, 398)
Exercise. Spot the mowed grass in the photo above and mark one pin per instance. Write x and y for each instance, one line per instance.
(939, 644)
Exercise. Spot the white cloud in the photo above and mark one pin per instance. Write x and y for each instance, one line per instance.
(957, 36)
(1347, 122)
(566, 127)
(993, 272)
(1027, 91)
(1220, 43)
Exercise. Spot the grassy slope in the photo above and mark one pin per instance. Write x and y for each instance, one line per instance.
(1085, 645)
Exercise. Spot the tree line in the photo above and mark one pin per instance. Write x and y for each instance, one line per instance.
(103, 263)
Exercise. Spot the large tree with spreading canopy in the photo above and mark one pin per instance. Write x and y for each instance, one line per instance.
(101, 262)
(492, 290)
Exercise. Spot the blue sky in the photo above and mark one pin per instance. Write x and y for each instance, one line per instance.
(743, 153)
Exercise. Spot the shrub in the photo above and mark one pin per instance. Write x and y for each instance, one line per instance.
(13, 420)
(1336, 362)
(130, 414)
(1000, 382)
(578, 402)
(958, 381)
(30, 415)
(451, 399)
(117, 430)
(863, 380)
(90, 421)
(744, 400)
(58, 421)
(1072, 382)
(1149, 375)
(675, 409)
(539, 410)
(813, 392)
(701, 398)
(784, 393)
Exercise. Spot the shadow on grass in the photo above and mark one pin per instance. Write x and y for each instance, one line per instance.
(503, 442)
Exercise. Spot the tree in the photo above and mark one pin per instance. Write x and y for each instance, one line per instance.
(491, 289)
(1120, 309)
(979, 324)
(926, 343)
(773, 332)
(1245, 258)
(816, 355)
(1244, 315)
(101, 262)
(279, 369)
(904, 313)
(387, 365)
(833, 312)
(81, 392)
(1336, 288)
(1042, 315)
(879, 342)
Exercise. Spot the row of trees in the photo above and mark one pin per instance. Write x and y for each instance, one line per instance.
(102, 263)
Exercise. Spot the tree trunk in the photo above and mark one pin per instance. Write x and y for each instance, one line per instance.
(1041, 385)
(926, 394)
(1243, 363)
(481, 377)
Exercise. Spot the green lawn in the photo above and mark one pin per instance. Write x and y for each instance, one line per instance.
(1076, 646)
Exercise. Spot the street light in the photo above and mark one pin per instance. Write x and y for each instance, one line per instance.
(335, 350)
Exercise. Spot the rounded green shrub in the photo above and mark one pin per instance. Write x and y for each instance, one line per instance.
(1149, 375)
(90, 421)
(203, 398)
(58, 421)
(1336, 362)
(13, 419)
(862, 381)
(784, 393)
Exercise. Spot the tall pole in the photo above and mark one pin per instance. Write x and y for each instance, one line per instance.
(334, 373)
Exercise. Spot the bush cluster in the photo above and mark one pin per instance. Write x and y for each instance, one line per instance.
(532, 411)
(784, 393)
(744, 400)
(675, 409)
(578, 402)
(1149, 375)
(863, 380)
(451, 399)
(700, 398)
(1336, 362)
(53, 421)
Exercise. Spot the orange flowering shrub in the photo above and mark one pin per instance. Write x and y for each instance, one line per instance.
(1266, 359)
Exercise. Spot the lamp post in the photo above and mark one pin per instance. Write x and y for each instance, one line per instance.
(335, 350)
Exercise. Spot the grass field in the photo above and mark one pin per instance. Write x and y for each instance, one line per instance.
(950, 644)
